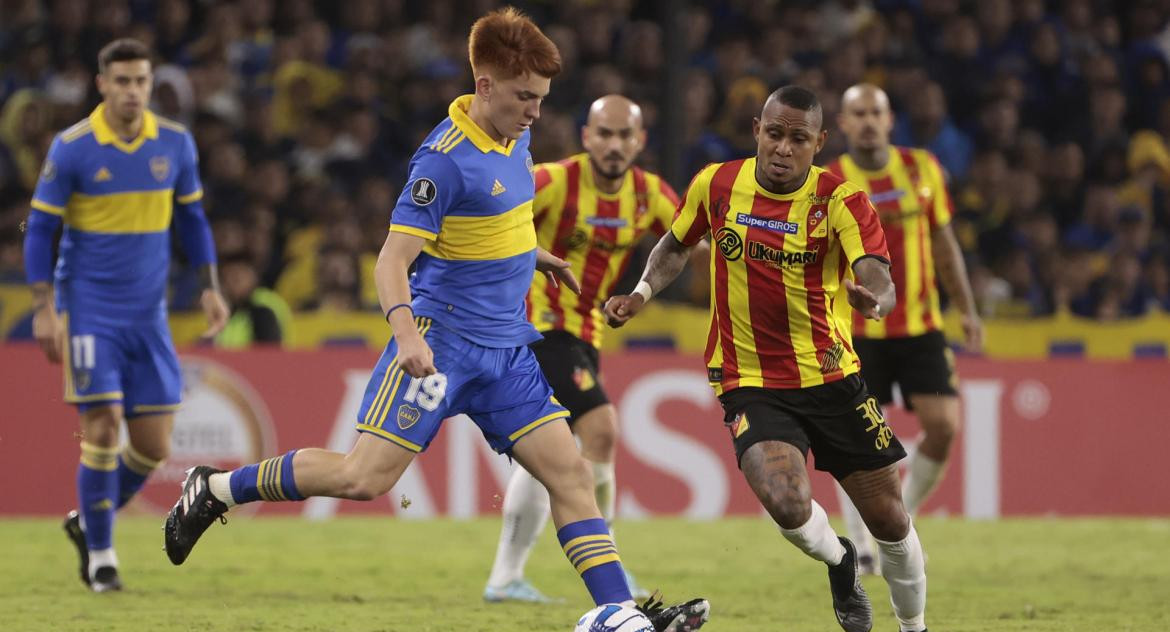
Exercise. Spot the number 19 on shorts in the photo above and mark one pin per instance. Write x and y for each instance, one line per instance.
(427, 391)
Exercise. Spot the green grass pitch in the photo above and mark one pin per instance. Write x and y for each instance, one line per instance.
(378, 574)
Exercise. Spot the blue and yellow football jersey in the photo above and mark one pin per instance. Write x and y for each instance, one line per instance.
(116, 198)
(471, 198)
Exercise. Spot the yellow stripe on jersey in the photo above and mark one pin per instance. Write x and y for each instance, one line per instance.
(439, 144)
(479, 238)
(743, 197)
(120, 213)
(190, 197)
(171, 125)
(78, 130)
(694, 207)
(459, 138)
(46, 207)
(411, 230)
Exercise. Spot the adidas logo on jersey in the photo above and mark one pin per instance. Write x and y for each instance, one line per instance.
(497, 188)
(103, 175)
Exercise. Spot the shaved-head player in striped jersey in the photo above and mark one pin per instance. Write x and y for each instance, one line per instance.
(907, 347)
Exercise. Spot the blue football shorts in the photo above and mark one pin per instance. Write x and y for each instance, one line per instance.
(501, 389)
(134, 365)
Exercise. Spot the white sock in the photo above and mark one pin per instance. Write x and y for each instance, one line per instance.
(817, 538)
(526, 510)
(922, 476)
(605, 488)
(905, 572)
(100, 558)
(221, 487)
(854, 525)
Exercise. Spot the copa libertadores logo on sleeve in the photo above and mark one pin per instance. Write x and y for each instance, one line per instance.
(423, 191)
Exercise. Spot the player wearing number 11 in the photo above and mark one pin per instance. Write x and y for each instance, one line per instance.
(116, 181)
(460, 328)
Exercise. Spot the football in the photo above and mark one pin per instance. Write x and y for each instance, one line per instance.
(612, 617)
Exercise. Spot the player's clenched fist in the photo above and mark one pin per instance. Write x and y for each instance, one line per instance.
(863, 300)
(622, 307)
(48, 332)
(415, 356)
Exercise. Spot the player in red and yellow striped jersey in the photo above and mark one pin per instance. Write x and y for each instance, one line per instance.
(909, 191)
(590, 209)
(781, 359)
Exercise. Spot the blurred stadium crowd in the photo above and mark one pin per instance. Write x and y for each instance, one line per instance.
(1051, 118)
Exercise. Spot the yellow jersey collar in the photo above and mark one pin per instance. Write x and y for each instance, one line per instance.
(458, 112)
(105, 135)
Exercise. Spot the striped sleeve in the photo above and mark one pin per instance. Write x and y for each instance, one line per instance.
(663, 206)
(855, 221)
(691, 222)
(551, 186)
(942, 207)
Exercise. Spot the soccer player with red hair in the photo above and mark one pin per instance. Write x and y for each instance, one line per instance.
(461, 335)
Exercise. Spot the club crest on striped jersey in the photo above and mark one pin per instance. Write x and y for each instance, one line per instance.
(816, 226)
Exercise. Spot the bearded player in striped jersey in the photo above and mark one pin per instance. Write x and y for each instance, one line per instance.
(907, 347)
(779, 356)
(590, 209)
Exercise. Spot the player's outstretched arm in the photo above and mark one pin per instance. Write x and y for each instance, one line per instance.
(953, 272)
(390, 275)
(666, 262)
(873, 295)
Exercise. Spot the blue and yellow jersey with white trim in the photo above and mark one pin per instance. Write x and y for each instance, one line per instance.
(471, 199)
(116, 198)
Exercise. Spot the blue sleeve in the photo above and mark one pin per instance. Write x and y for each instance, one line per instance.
(194, 233)
(190, 221)
(55, 184)
(188, 187)
(433, 187)
(40, 231)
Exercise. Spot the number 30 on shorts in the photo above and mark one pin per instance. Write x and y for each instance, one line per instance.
(427, 391)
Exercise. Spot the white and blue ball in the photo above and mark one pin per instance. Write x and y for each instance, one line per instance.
(612, 617)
